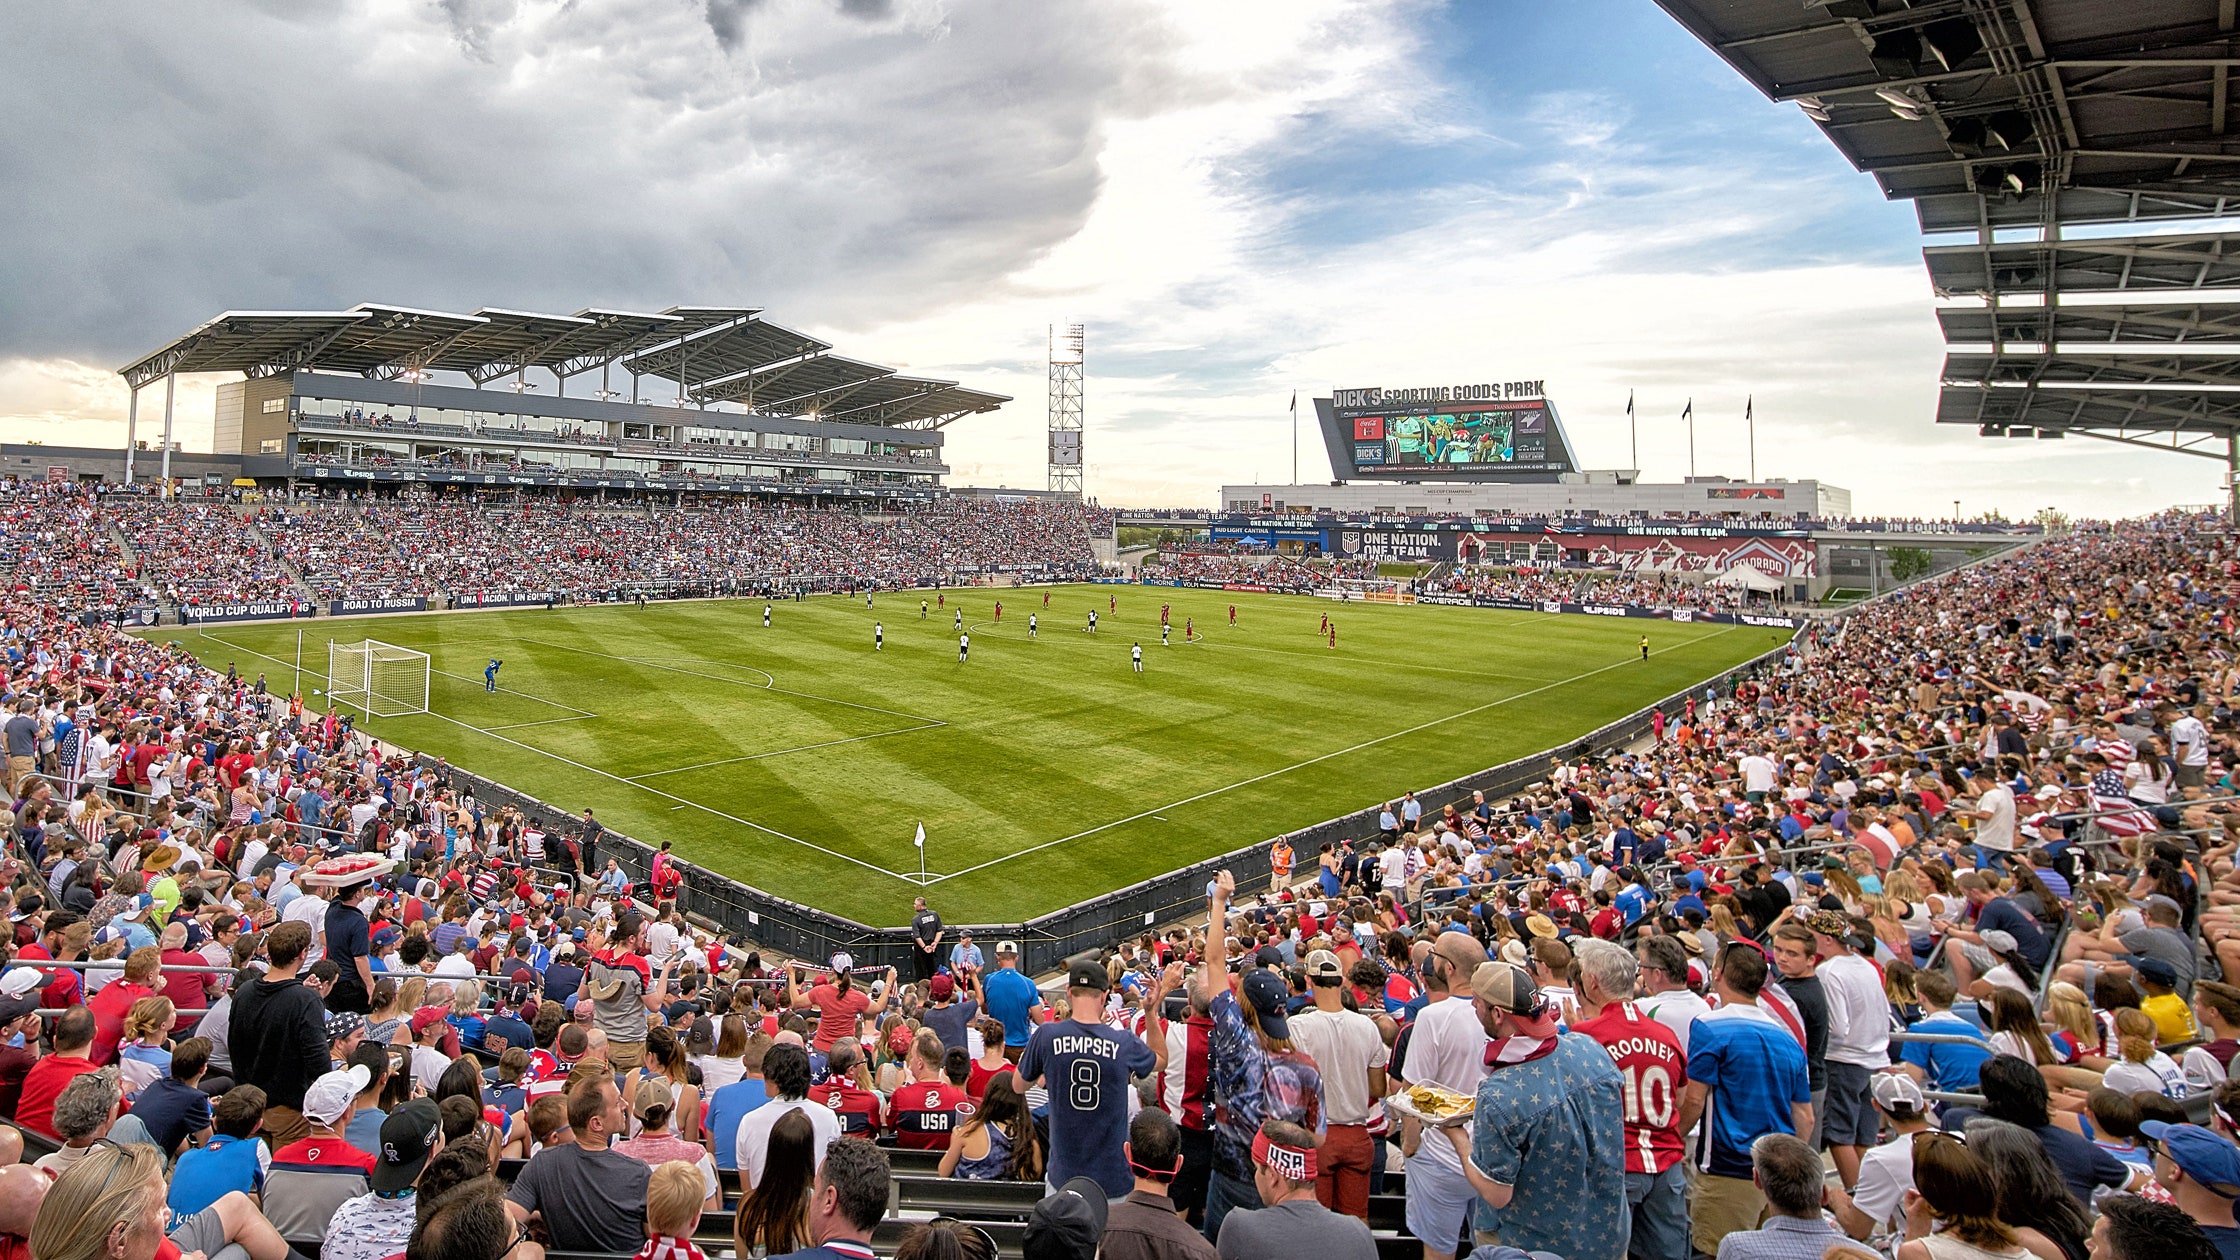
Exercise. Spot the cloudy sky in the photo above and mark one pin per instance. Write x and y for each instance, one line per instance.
(1240, 199)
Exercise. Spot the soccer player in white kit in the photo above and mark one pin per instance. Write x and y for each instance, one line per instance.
(964, 644)
(1163, 629)
(1135, 654)
(1030, 627)
(960, 617)
(766, 616)
(878, 637)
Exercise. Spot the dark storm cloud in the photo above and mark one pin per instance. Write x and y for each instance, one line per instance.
(837, 161)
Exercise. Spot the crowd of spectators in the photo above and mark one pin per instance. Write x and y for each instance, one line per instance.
(1681, 986)
(1567, 586)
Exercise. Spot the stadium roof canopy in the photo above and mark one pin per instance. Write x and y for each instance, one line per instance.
(712, 353)
(2022, 122)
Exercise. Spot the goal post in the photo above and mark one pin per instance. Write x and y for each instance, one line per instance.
(378, 679)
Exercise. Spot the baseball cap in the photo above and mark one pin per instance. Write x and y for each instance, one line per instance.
(15, 1006)
(424, 1017)
(1087, 975)
(1007, 947)
(1896, 1092)
(1324, 965)
(1507, 987)
(1270, 999)
(943, 986)
(17, 981)
(1999, 942)
(408, 1138)
(843, 961)
(1069, 1224)
(331, 1094)
(2155, 970)
(2209, 1160)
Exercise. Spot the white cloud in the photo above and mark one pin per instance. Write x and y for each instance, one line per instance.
(930, 184)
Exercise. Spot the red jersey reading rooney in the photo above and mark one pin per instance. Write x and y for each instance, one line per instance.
(1655, 1069)
(922, 1115)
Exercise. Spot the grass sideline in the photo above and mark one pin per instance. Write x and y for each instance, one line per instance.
(1046, 771)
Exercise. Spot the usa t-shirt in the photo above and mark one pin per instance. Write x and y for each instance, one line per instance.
(1089, 1070)
(922, 1116)
(1756, 1072)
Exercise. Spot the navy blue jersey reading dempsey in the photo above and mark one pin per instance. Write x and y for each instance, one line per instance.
(1089, 1070)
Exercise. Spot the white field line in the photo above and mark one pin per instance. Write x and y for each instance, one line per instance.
(1369, 743)
(515, 726)
(322, 674)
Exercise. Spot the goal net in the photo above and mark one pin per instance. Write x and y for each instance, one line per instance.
(378, 679)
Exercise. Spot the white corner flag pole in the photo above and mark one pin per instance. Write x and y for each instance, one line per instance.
(921, 842)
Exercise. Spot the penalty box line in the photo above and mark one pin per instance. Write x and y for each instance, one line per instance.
(1369, 743)
(580, 714)
(604, 774)
(771, 686)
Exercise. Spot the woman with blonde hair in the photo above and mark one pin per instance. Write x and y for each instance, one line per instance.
(144, 1057)
(411, 996)
(2069, 1016)
(2143, 1067)
(725, 1064)
(1723, 923)
(110, 1205)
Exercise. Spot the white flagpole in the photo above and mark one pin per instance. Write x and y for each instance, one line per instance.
(921, 842)
(1294, 437)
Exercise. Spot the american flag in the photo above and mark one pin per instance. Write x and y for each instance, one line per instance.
(2119, 816)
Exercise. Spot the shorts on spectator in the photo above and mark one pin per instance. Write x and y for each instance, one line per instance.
(1849, 1118)
(1978, 957)
(1439, 1203)
(1723, 1206)
(1660, 1213)
(2189, 776)
(205, 1232)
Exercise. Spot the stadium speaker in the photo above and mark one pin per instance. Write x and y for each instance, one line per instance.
(1990, 430)
(2052, 435)
(2009, 129)
(2015, 277)
(2020, 433)
(1967, 137)
(1951, 42)
(1896, 54)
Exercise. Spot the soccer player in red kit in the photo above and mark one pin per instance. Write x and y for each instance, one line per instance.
(923, 1113)
(1046, 599)
(1189, 629)
(1325, 629)
(1333, 636)
(1232, 614)
(999, 610)
(1163, 614)
(1115, 602)
(1655, 1067)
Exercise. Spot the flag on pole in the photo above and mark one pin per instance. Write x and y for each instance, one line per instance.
(1629, 404)
(1748, 402)
(921, 842)
(1689, 412)
(1294, 402)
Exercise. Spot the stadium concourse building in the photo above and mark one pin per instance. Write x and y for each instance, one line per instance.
(1499, 447)
(390, 394)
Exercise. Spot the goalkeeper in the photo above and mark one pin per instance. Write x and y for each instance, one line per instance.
(490, 675)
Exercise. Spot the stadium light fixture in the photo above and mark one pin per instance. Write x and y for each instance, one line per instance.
(1814, 108)
(1902, 105)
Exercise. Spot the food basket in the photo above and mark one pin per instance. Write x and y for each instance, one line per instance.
(1432, 1105)
(346, 871)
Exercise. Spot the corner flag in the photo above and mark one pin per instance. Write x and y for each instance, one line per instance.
(1629, 404)
(1689, 412)
(921, 841)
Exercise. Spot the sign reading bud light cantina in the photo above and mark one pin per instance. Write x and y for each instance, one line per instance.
(1485, 432)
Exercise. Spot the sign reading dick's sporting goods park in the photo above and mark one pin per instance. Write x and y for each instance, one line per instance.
(1446, 432)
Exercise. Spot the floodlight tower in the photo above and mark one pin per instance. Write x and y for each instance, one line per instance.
(1068, 356)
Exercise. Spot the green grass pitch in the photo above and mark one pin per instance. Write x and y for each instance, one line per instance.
(1045, 770)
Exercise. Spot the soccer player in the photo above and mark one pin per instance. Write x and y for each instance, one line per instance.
(766, 615)
(1163, 613)
(1092, 621)
(1163, 629)
(878, 637)
(490, 674)
(999, 611)
(1136, 654)
(964, 645)
(1189, 629)
(1333, 636)
(1046, 599)
(867, 599)
(1115, 602)
(923, 608)
(1031, 626)
(960, 617)
(1325, 624)
(941, 600)
(1232, 614)
(1644, 647)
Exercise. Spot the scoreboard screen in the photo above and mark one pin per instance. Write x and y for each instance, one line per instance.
(1475, 437)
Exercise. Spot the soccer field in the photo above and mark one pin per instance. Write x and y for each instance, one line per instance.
(1045, 770)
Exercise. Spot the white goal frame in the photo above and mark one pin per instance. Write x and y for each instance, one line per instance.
(378, 679)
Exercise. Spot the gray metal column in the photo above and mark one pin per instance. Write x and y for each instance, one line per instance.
(131, 431)
(170, 381)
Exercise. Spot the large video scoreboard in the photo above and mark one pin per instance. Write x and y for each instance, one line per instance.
(1505, 431)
